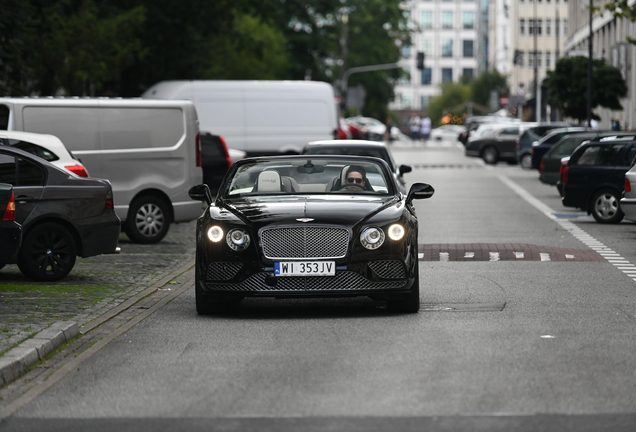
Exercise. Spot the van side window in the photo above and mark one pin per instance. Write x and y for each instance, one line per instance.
(4, 117)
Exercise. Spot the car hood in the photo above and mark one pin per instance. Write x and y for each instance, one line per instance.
(345, 210)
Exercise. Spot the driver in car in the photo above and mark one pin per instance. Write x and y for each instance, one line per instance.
(357, 175)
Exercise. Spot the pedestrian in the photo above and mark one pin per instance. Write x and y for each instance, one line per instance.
(414, 123)
(388, 138)
(593, 124)
(425, 128)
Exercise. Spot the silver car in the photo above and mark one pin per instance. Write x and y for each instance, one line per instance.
(628, 202)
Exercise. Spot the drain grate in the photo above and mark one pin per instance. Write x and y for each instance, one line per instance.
(504, 252)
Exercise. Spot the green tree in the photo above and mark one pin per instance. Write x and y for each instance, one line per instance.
(486, 83)
(452, 100)
(620, 9)
(567, 87)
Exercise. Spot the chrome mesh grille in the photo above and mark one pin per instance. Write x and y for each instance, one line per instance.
(388, 269)
(342, 281)
(222, 270)
(305, 242)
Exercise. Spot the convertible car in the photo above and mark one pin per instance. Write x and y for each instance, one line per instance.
(308, 226)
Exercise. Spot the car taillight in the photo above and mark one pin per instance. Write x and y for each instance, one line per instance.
(198, 151)
(9, 211)
(77, 169)
(563, 173)
(542, 166)
(110, 204)
(628, 185)
(227, 153)
(518, 144)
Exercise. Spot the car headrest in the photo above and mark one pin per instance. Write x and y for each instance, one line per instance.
(268, 181)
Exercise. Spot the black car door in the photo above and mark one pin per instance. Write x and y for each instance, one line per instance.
(28, 180)
(507, 141)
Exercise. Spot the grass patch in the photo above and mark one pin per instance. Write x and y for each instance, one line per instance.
(55, 289)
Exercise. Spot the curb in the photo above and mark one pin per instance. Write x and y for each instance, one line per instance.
(15, 362)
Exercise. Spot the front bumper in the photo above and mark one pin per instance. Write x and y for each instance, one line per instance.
(628, 206)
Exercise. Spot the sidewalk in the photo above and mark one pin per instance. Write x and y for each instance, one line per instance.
(37, 318)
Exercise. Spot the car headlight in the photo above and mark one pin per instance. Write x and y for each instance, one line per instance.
(396, 232)
(372, 238)
(215, 234)
(238, 239)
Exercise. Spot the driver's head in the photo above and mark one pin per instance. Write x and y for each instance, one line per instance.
(356, 175)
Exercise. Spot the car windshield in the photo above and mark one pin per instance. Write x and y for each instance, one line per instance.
(285, 176)
(353, 151)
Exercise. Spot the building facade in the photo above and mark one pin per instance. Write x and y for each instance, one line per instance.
(448, 33)
(609, 41)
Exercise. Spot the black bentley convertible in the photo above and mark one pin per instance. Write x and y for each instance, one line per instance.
(308, 226)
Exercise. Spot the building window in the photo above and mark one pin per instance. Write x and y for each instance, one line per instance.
(548, 27)
(531, 27)
(406, 51)
(538, 56)
(427, 76)
(425, 101)
(447, 19)
(521, 59)
(468, 48)
(447, 75)
(548, 59)
(565, 27)
(447, 47)
(426, 19)
(406, 101)
(522, 27)
(468, 74)
(426, 46)
(468, 20)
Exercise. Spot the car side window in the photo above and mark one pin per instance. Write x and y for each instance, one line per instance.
(589, 156)
(29, 174)
(34, 149)
(629, 157)
(7, 169)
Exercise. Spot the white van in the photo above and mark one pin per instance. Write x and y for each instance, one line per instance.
(149, 150)
(258, 117)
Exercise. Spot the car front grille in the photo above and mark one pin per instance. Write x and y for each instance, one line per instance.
(305, 242)
(342, 281)
(388, 269)
(222, 270)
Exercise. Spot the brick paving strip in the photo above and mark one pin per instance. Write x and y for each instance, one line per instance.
(95, 334)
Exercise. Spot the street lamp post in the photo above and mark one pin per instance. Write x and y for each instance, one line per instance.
(589, 72)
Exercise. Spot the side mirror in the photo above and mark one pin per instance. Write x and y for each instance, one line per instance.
(405, 169)
(419, 191)
(201, 193)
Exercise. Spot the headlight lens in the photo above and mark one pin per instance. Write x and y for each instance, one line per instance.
(238, 239)
(215, 234)
(372, 238)
(396, 232)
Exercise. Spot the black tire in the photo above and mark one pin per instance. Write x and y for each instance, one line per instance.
(409, 303)
(48, 252)
(605, 207)
(526, 161)
(148, 220)
(490, 155)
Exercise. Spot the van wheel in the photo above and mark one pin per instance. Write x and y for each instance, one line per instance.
(147, 220)
(48, 252)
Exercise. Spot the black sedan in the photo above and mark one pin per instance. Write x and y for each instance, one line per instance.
(62, 215)
(495, 146)
(594, 178)
(10, 230)
(308, 226)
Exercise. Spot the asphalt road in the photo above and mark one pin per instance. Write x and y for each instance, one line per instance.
(500, 344)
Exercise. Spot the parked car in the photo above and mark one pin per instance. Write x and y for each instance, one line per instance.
(628, 200)
(496, 145)
(10, 230)
(62, 215)
(290, 226)
(215, 160)
(46, 146)
(360, 148)
(550, 165)
(594, 177)
(530, 136)
(372, 129)
(472, 123)
(447, 132)
(540, 147)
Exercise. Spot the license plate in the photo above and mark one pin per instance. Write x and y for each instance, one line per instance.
(305, 268)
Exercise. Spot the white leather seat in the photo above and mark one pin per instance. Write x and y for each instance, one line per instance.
(268, 181)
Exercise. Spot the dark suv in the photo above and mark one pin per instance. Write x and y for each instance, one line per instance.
(594, 177)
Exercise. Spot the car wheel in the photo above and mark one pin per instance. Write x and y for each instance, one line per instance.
(409, 303)
(48, 252)
(147, 220)
(526, 161)
(490, 155)
(606, 207)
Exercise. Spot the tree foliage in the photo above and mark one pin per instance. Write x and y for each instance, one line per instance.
(486, 83)
(452, 100)
(620, 9)
(121, 47)
(566, 86)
